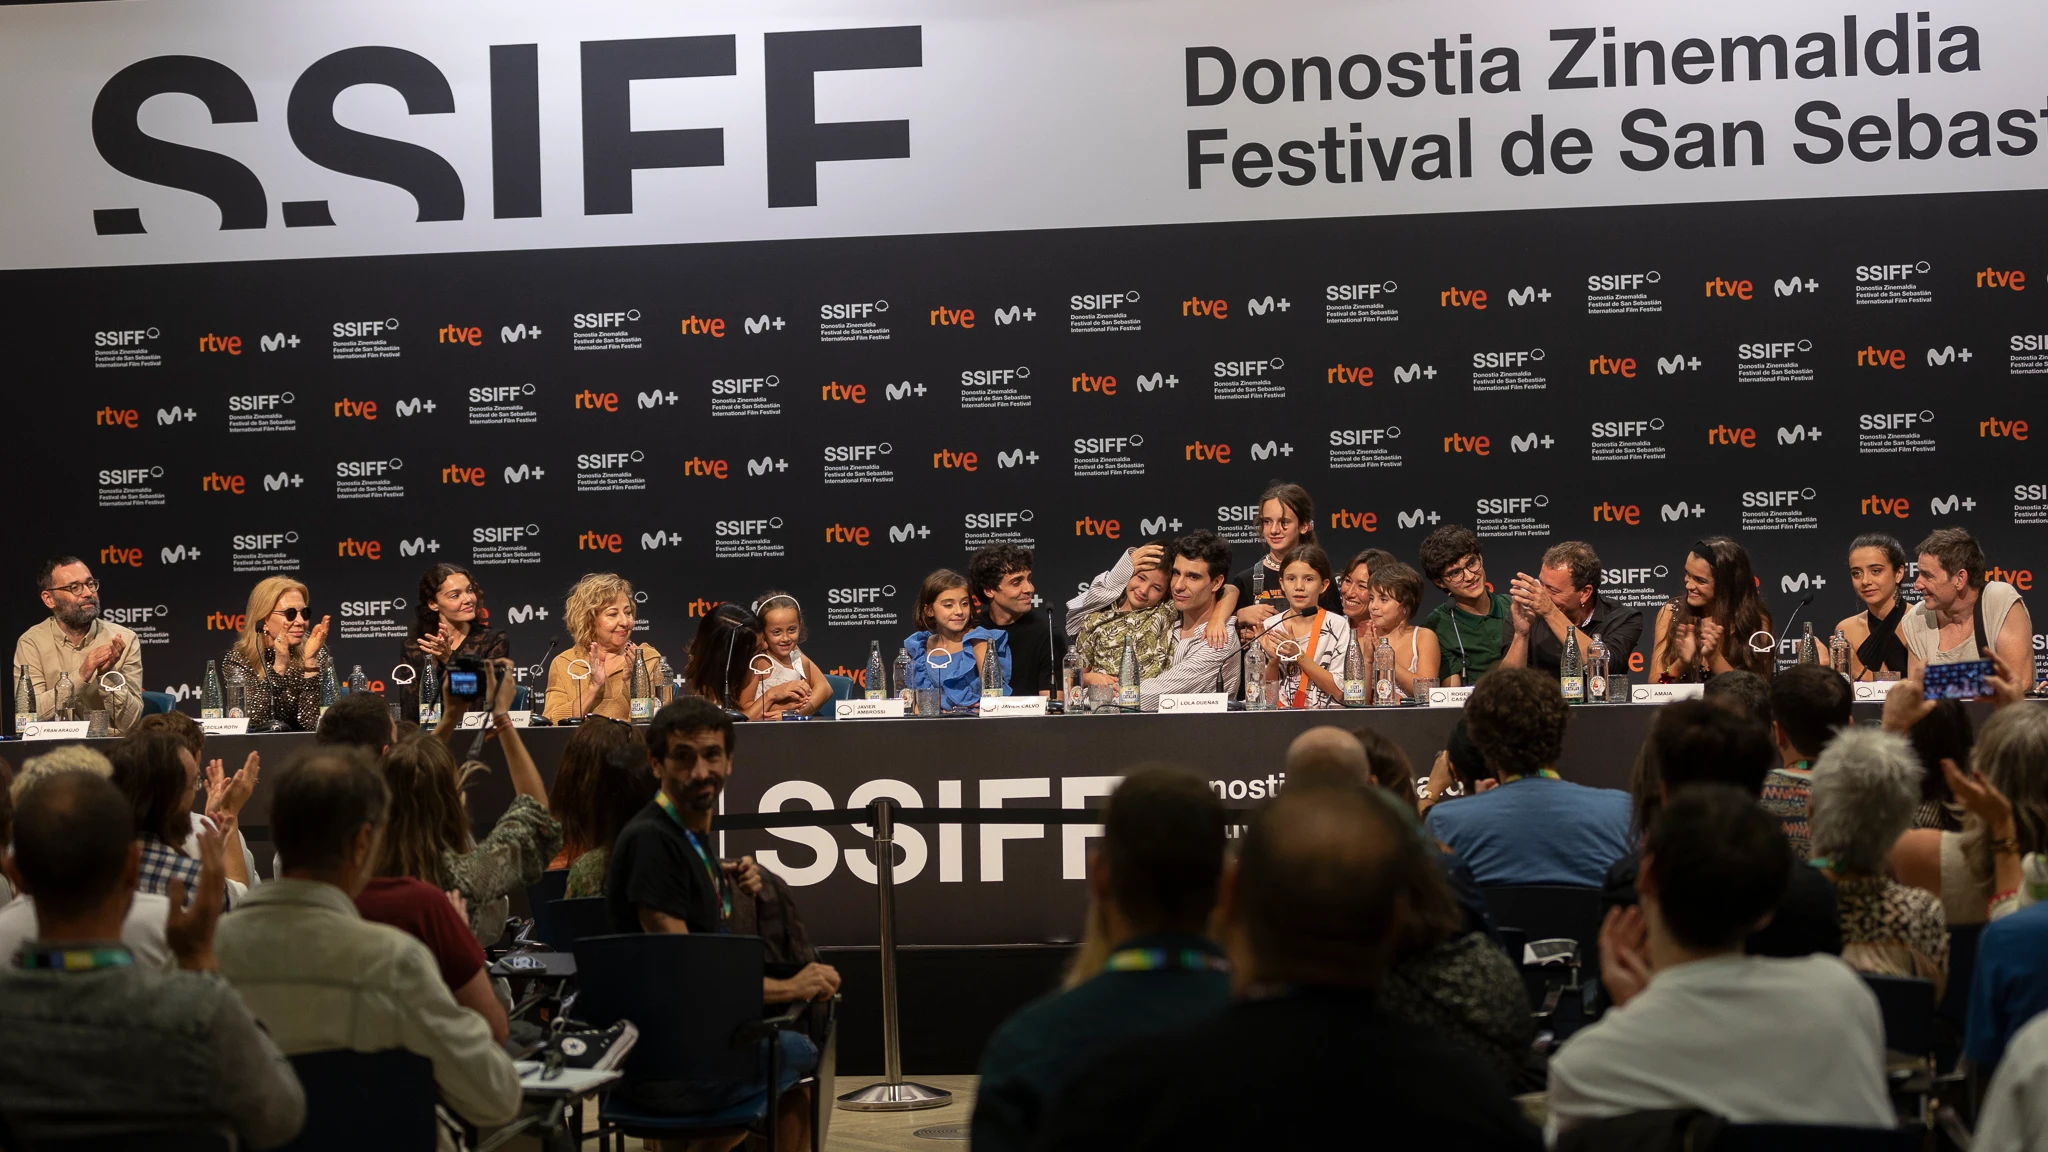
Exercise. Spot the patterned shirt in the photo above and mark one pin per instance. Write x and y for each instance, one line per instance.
(586, 875)
(1327, 649)
(511, 858)
(1467, 991)
(1786, 796)
(1100, 628)
(1889, 929)
(161, 864)
(291, 696)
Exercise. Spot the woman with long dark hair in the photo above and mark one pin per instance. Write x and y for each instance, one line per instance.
(722, 667)
(449, 619)
(1877, 566)
(1707, 631)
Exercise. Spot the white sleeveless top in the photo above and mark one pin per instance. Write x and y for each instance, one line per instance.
(780, 673)
(1921, 630)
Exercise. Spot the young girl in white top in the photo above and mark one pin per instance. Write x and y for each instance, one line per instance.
(1393, 593)
(1305, 643)
(794, 684)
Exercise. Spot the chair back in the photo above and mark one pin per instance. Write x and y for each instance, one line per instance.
(572, 920)
(843, 688)
(358, 1100)
(546, 891)
(1907, 1004)
(1550, 912)
(687, 994)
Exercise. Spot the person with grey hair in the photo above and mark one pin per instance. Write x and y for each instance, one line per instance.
(62, 758)
(1864, 789)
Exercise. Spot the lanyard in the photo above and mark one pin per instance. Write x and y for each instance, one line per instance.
(711, 868)
(1161, 960)
(1546, 773)
(73, 959)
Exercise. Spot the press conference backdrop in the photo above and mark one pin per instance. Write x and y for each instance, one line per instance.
(726, 302)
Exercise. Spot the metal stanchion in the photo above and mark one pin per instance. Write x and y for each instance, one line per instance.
(892, 1093)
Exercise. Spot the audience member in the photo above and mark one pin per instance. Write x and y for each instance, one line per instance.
(1312, 915)
(320, 977)
(1697, 1024)
(569, 799)
(2015, 1113)
(62, 758)
(1968, 869)
(1535, 827)
(1744, 693)
(440, 921)
(1864, 789)
(97, 1044)
(359, 718)
(623, 785)
(663, 876)
(1809, 704)
(142, 931)
(1691, 743)
(1325, 753)
(2010, 984)
(1388, 767)
(160, 777)
(1945, 733)
(224, 793)
(428, 837)
(1152, 882)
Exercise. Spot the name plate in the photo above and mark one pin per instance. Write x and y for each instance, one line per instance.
(521, 718)
(1033, 705)
(1449, 697)
(220, 726)
(1665, 693)
(868, 709)
(1185, 702)
(1873, 691)
(56, 730)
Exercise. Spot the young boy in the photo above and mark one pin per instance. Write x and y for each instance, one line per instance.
(1473, 629)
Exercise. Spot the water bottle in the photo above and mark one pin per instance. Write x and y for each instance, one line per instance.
(1596, 672)
(66, 694)
(1354, 674)
(1838, 652)
(357, 682)
(25, 701)
(330, 688)
(905, 690)
(665, 688)
(1384, 691)
(1571, 671)
(876, 687)
(1127, 678)
(1255, 677)
(1070, 680)
(430, 692)
(1809, 648)
(640, 689)
(210, 698)
(991, 673)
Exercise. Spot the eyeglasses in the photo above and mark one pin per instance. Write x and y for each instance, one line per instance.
(76, 587)
(1465, 571)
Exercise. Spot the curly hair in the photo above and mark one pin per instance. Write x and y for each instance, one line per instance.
(1445, 547)
(1863, 792)
(991, 563)
(1517, 718)
(592, 595)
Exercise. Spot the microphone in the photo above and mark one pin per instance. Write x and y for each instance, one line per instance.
(1780, 646)
(538, 719)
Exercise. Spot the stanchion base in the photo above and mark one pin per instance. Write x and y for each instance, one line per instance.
(900, 1097)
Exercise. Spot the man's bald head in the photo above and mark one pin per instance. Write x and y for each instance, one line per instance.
(1325, 755)
(1318, 884)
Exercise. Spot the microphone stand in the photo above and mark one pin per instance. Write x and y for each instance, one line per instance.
(538, 719)
(1787, 631)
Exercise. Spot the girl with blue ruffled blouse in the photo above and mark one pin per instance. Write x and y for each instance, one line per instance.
(948, 654)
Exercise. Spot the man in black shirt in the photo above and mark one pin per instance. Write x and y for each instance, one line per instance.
(1306, 1057)
(1565, 598)
(1001, 575)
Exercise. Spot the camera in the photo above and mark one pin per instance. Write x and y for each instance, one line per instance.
(466, 676)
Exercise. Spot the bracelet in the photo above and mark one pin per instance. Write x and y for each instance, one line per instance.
(2001, 898)
(2006, 846)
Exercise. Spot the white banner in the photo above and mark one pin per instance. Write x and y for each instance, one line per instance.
(152, 131)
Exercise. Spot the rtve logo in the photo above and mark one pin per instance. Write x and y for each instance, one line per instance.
(2020, 578)
(1197, 306)
(218, 482)
(1607, 513)
(277, 341)
(1992, 278)
(1090, 526)
(1459, 443)
(346, 408)
(944, 317)
(1403, 373)
(1995, 429)
(232, 345)
(1722, 436)
(457, 334)
(699, 466)
(111, 417)
(1875, 357)
(698, 326)
(1357, 521)
(1344, 374)
(1897, 507)
(856, 534)
(850, 393)
(349, 548)
(1473, 298)
(600, 542)
(225, 621)
(459, 474)
(587, 400)
(1103, 385)
(117, 555)
(1720, 288)
(1604, 365)
(1794, 285)
(946, 458)
(1947, 354)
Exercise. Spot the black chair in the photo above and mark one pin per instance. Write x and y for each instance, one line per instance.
(357, 1100)
(572, 920)
(551, 886)
(696, 1000)
(1907, 1005)
(1553, 912)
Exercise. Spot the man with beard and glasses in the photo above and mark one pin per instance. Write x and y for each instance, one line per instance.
(664, 875)
(75, 642)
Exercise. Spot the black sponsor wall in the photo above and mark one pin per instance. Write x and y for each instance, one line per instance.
(839, 417)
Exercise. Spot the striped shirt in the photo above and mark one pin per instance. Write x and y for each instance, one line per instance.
(1328, 651)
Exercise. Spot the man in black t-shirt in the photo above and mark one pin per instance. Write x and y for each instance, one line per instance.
(1001, 575)
(1564, 598)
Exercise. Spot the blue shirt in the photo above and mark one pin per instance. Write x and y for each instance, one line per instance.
(1034, 1054)
(959, 680)
(2011, 983)
(1536, 831)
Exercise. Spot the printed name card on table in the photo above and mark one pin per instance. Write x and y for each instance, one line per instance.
(56, 730)
(868, 709)
(225, 726)
(1182, 703)
(1873, 691)
(1449, 697)
(521, 718)
(1012, 706)
(1666, 693)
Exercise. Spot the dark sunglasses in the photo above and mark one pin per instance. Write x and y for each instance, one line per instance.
(291, 614)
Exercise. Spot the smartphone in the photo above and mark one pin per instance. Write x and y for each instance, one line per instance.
(464, 683)
(1963, 680)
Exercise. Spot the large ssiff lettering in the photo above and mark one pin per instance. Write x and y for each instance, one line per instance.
(1594, 58)
(796, 142)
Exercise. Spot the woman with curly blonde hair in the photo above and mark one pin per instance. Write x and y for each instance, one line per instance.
(593, 676)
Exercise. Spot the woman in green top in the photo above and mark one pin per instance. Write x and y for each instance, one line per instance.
(622, 785)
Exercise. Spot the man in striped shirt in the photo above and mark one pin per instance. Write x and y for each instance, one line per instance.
(1201, 564)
